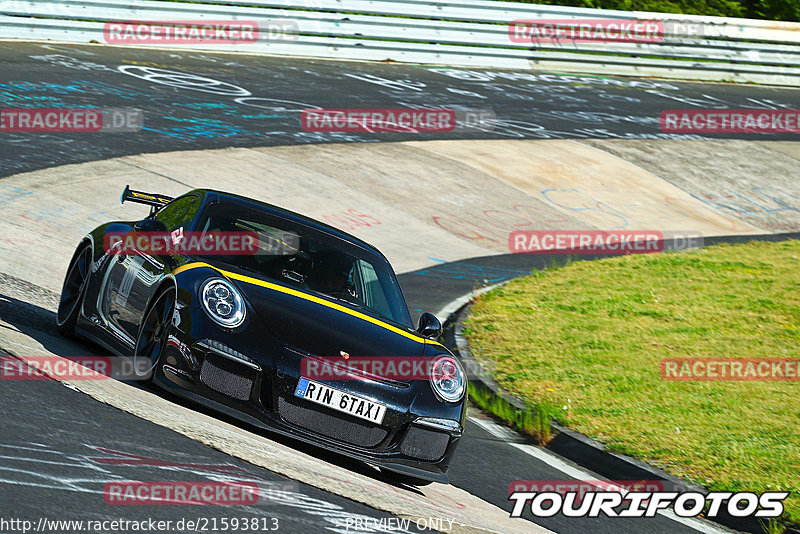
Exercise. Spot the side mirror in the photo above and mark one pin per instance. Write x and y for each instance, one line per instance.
(429, 326)
(150, 225)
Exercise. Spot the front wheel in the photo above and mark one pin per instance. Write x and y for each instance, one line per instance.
(153, 333)
(72, 292)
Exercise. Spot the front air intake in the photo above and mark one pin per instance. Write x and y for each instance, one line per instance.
(227, 377)
(424, 444)
(332, 426)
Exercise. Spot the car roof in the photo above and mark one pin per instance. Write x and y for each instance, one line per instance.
(242, 201)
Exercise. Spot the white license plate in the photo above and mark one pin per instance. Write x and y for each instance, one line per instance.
(341, 401)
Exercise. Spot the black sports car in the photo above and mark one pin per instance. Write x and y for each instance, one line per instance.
(240, 330)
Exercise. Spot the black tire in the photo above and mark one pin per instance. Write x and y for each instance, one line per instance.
(73, 290)
(153, 333)
(406, 480)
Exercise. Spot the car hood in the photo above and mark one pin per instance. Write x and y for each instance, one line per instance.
(323, 327)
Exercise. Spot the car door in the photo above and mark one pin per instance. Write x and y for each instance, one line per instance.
(133, 278)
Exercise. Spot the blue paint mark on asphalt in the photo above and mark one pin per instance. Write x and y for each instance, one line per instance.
(263, 116)
(165, 132)
(202, 128)
(9, 194)
(204, 105)
(468, 271)
(18, 92)
(208, 128)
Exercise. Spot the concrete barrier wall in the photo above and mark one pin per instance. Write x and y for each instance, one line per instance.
(469, 33)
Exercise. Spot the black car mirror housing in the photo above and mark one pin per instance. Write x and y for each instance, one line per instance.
(429, 326)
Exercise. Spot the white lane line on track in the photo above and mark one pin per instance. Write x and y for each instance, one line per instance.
(554, 461)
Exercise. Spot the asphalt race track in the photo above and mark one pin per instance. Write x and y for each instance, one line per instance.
(60, 446)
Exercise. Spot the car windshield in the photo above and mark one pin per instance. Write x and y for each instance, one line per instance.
(298, 256)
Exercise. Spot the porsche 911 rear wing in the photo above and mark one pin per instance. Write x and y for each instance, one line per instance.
(155, 200)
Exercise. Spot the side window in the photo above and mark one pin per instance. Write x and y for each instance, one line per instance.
(179, 212)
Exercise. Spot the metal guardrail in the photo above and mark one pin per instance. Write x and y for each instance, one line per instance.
(463, 33)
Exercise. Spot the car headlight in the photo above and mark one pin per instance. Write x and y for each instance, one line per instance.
(447, 379)
(222, 302)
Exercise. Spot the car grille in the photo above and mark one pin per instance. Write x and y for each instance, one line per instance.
(331, 426)
(227, 377)
(424, 444)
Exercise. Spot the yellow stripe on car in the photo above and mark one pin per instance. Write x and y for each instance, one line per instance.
(149, 197)
(306, 296)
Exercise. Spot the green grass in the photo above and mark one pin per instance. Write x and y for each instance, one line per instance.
(589, 337)
(535, 419)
